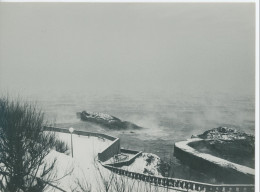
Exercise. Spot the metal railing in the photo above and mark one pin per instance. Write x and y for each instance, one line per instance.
(181, 183)
(167, 182)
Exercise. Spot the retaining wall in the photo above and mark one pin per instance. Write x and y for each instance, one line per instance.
(174, 183)
(129, 161)
(107, 153)
(130, 151)
(110, 151)
(218, 167)
(84, 133)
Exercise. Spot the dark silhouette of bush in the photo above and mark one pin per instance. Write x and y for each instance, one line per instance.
(23, 147)
(61, 147)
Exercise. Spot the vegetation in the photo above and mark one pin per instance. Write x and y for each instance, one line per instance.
(61, 147)
(24, 146)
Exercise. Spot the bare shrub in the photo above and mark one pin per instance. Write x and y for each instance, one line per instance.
(61, 146)
(23, 147)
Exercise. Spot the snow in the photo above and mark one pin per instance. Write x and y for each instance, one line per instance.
(95, 115)
(85, 169)
(183, 145)
(224, 133)
(83, 172)
(83, 166)
(141, 164)
(85, 147)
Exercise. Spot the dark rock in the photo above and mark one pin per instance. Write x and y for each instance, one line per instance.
(194, 136)
(224, 133)
(229, 144)
(107, 121)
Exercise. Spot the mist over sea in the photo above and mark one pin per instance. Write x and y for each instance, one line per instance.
(166, 118)
(176, 69)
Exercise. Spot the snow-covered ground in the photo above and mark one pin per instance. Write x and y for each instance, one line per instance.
(84, 173)
(83, 167)
(146, 163)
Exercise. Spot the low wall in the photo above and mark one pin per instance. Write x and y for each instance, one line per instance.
(180, 184)
(166, 182)
(84, 133)
(129, 161)
(107, 153)
(129, 151)
(110, 151)
(220, 168)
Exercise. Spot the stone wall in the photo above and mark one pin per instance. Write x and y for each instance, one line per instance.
(129, 161)
(130, 151)
(84, 133)
(110, 151)
(170, 183)
(219, 168)
(107, 153)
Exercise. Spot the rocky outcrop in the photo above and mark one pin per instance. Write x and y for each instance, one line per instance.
(148, 163)
(223, 152)
(106, 121)
(225, 133)
(229, 144)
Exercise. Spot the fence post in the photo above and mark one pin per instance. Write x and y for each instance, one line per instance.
(133, 175)
(178, 183)
(164, 182)
(156, 181)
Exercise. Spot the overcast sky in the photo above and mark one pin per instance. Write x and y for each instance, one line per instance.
(127, 47)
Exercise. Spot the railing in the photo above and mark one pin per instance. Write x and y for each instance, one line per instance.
(166, 182)
(110, 151)
(84, 133)
(180, 183)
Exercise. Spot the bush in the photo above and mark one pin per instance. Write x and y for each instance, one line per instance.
(61, 146)
(23, 147)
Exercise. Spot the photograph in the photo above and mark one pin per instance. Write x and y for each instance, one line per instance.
(129, 96)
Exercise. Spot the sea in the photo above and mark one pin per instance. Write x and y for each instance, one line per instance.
(165, 119)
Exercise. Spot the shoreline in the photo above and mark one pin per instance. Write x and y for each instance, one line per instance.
(129, 140)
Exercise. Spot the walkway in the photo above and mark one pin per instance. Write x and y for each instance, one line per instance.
(113, 178)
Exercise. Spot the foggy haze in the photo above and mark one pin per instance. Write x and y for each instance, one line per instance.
(127, 48)
(175, 69)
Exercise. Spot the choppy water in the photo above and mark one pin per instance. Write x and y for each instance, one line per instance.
(166, 119)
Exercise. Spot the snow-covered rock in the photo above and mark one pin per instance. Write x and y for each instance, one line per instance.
(224, 152)
(228, 143)
(148, 163)
(106, 120)
(225, 133)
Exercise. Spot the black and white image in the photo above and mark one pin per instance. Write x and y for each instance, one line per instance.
(128, 97)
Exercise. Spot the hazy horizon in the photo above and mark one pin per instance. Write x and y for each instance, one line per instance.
(108, 48)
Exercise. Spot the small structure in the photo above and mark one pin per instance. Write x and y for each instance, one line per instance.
(120, 157)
